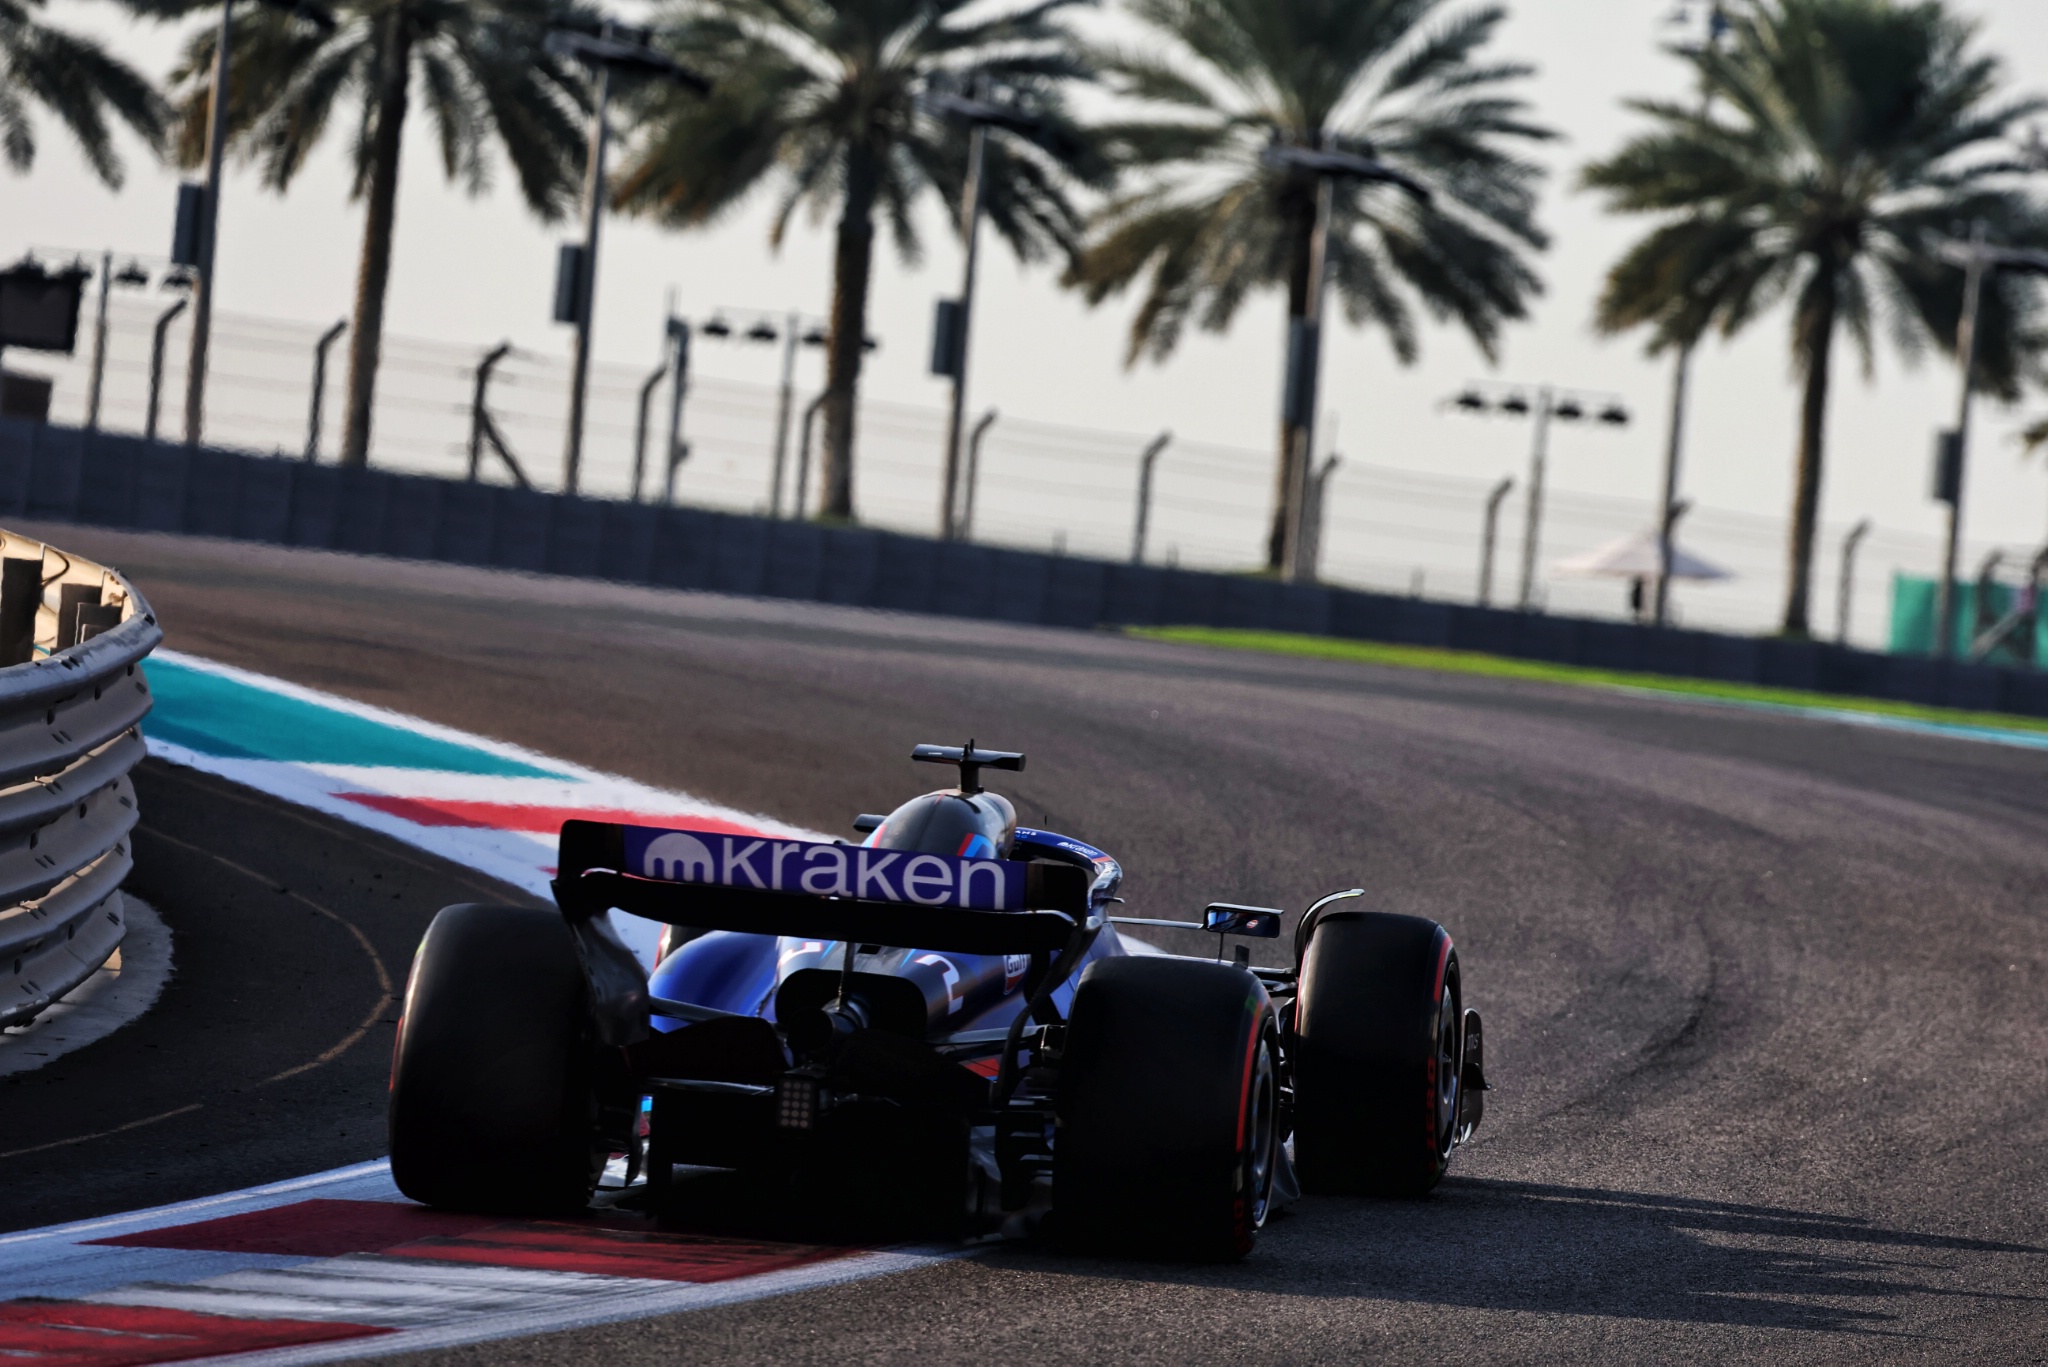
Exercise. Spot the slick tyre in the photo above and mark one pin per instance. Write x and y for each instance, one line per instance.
(1378, 1055)
(493, 1092)
(1168, 1136)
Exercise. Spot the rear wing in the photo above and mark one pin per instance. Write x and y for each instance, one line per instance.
(761, 885)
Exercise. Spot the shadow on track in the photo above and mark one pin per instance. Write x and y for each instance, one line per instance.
(1498, 1245)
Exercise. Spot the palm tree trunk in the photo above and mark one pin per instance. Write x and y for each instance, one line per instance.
(373, 273)
(852, 263)
(1303, 231)
(1816, 341)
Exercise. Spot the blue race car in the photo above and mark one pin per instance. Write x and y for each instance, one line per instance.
(937, 1030)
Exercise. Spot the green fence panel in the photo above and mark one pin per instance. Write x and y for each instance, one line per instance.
(1913, 608)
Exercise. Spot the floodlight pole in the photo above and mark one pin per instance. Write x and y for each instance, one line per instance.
(1532, 528)
(209, 216)
(978, 113)
(319, 388)
(970, 225)
(1979, 259)
(1975, 264)
(1486, 542)
(1327, 165)
(1681, 377)
(586, 287)
(99, 345)
(1145, 464)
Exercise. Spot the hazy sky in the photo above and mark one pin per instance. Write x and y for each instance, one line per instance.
(474, 270)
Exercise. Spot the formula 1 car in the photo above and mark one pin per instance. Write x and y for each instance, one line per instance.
(940, 1025)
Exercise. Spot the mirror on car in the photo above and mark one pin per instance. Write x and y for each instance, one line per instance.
(1226, 918)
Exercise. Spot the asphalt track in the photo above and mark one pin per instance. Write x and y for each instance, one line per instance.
(1764, 994)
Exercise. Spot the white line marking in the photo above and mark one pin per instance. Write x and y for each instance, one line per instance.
(2014, 737)
(394, 1293)
(675, 1298)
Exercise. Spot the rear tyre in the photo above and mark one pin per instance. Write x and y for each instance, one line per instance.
(493, 1082)
(1168, 1136)
(1378, 1055)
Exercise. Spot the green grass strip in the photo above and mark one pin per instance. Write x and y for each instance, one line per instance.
(1501, 667)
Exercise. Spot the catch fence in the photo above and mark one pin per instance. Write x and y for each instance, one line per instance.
(1043, 486)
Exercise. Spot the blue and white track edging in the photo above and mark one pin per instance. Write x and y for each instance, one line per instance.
(477, 802)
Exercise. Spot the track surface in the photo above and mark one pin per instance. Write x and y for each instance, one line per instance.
(1763, 994)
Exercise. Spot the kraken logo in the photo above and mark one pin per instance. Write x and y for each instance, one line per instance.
(679, 858)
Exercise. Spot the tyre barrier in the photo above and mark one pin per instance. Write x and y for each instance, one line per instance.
(72, 638)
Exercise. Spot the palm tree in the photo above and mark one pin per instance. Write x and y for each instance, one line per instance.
(78, 81)
(1842, 142)
(1384, 76)
(482, 73)
(825, 93)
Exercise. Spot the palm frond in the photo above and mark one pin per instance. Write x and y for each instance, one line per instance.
(82, 86)
(1421, 91)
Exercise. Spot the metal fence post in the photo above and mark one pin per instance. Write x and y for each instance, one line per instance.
(640, 427)
(1145, 463)
(966, 524)
(784, 399)
(1486, 540)
(319, 389)
(1312, 528)
(156, 365)
(803, 456)
(1848, 581)
(482, 429)
(679, 360)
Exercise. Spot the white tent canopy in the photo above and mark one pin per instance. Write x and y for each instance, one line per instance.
(1636, 557)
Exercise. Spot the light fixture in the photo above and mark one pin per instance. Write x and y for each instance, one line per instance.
(132, 274)
(763, 331)
(815, 337)
(1614, 415)
(718, 327)
(1472, 401)
(1515, 404)
(1571, 410)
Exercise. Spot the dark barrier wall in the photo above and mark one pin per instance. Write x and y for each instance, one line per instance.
(63, 474)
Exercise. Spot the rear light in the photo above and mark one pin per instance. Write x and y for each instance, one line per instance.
(796, 1102)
